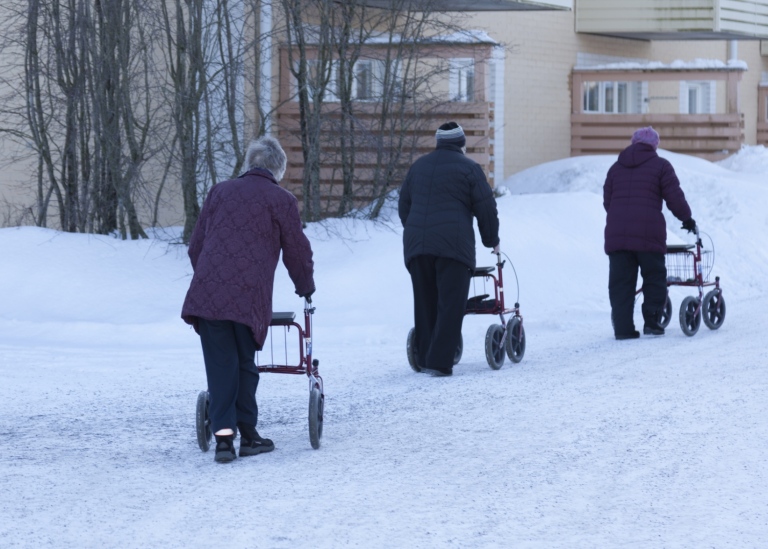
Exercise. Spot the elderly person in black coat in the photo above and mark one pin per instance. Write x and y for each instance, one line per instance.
(441, 194)
(635, 189)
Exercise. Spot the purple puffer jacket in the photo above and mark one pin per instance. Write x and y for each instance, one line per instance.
(632, 195)
(235, 247)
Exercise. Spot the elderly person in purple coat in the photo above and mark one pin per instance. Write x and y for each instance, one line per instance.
(636, 233)
(243, 226)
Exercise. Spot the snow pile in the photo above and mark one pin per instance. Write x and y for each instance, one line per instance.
(749, 159)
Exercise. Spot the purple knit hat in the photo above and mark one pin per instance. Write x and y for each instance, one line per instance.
(647, 135)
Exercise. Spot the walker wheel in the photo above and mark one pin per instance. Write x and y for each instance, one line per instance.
(316, 401)
(459, 351)
(689, 320)
(666, 313)
(410, 348)
(514, 341)
(713, 309)
(494, 346)
(203, 422)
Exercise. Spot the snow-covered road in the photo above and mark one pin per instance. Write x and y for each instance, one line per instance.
(588, 442)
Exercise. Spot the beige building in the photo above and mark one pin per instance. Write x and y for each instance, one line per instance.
(545, 80)
(559, 78)
(699, 73)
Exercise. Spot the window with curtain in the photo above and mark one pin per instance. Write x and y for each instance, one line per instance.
(697, 97)
(461, 79)
(612, 97)
(369, 80)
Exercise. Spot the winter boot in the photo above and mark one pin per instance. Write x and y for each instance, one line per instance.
(225, 449)
(652, 326)
(438, 373)
(632, 335)
(251, 443)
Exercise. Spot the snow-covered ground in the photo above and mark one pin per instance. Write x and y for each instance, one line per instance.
(588, 442)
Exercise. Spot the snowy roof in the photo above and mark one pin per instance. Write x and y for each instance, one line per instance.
(677, 65)
(464, 37)
(469, 37)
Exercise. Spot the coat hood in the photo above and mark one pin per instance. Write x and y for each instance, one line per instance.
(636, 154)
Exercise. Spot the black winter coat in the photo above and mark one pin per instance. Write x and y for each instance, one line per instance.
(441, 193)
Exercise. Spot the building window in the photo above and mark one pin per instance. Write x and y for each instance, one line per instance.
(331, 89)
(766, 109)
(369, 80)
(697, 97)
(367, 83)
(612, 97)
(461, 79)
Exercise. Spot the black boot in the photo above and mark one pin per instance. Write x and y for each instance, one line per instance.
(225, 449)
(652, 325)
(251, 443)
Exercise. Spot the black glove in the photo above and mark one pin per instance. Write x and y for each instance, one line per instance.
(689, 225)
(308, 295)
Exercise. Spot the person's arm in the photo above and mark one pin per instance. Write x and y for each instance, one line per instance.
(484, 207)
(673, 194)
(404, 200)
(198, 234)
(608, 190)
(297, 252)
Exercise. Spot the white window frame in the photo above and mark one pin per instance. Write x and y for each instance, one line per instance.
(607, 101)
(461, 79)
(376, 71)
(331, 94)
(703, 93)
(765, 109)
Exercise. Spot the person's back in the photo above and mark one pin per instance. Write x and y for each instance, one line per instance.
(441, 193)
(636, 187)
(244, 225)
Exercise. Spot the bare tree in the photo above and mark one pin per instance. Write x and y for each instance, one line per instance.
(363, 88)
(82, 62)
(313, 76)
(206, 44)
(120, 99)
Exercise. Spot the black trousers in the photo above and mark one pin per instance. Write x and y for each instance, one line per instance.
(440, 288)
(229, 351)
(622, 284)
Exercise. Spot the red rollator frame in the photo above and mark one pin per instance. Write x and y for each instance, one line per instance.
(508, 337)
(690, 265)
(306, 366)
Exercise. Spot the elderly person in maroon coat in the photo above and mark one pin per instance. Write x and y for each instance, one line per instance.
(636, 233)
(243, 226)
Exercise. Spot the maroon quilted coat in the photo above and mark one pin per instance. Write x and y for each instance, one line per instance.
(633, 193)
(235, 247)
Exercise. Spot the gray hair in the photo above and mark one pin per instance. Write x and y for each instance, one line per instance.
(266, 152)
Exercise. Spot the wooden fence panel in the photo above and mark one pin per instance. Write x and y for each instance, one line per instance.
(710, 136)
(762, 115)
(475, 118)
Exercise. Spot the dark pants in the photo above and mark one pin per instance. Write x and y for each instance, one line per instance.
(622, 284)
(229, 351)
(440, 288)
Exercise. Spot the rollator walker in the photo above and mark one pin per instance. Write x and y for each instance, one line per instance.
(504, 339)
(281, 321)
